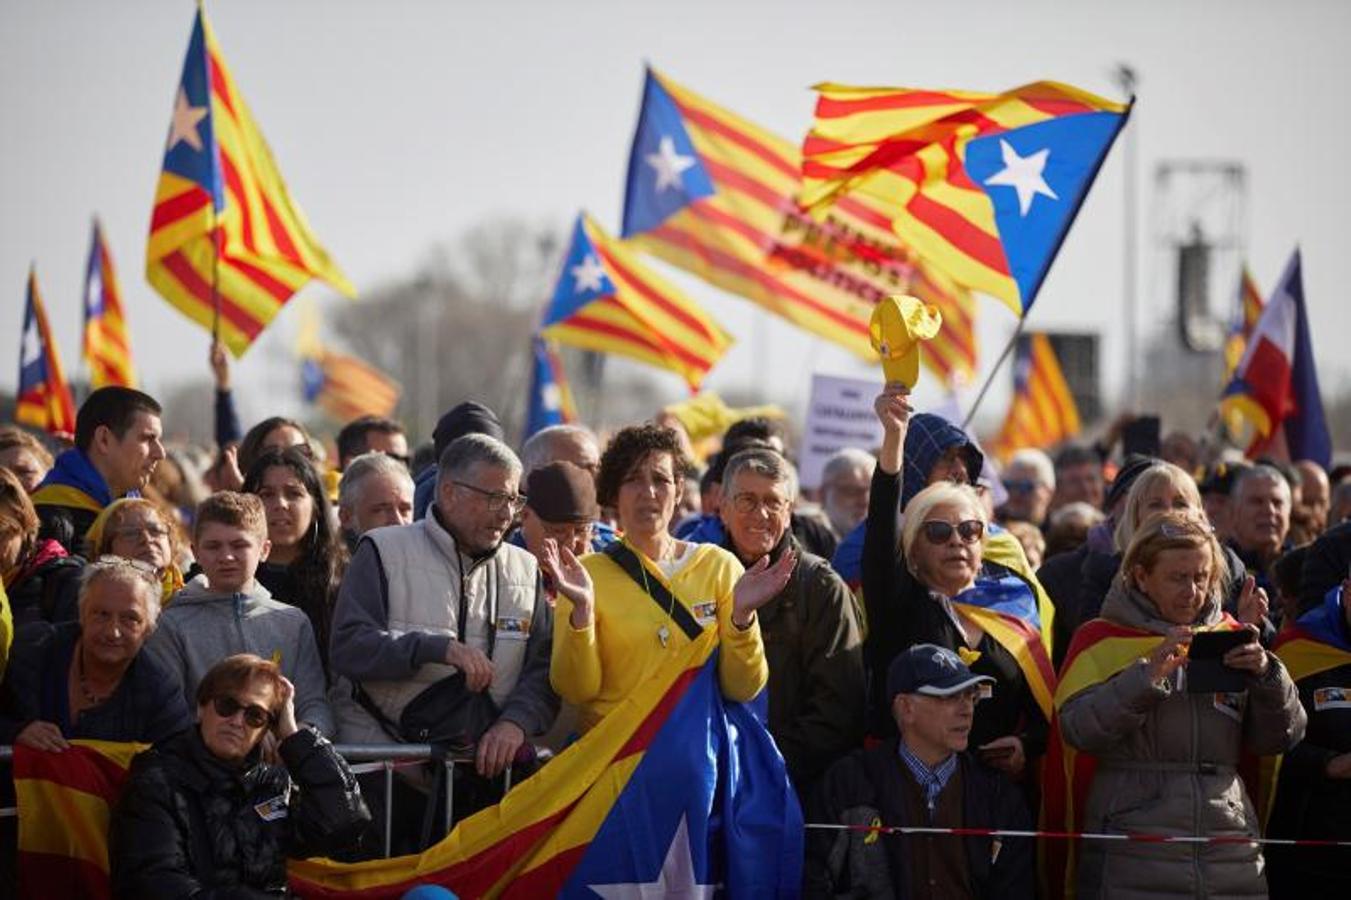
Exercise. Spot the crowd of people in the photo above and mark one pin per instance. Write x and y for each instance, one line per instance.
(927, 640)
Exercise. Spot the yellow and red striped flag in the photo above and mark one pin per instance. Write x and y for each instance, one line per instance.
(43, 399)
(347, 388)
(716, 195)
(982, 186)
(606, 300)
(1042, 412)
(107, 346)
(225, 236)
(65, 801)
(1249, 311)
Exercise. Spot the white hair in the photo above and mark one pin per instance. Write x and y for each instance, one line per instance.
(538, 448)
(471, 450)
(1038, 462)
(139, 576)
(362, 468)
(847, 460)
(942, 493)
(762, 461)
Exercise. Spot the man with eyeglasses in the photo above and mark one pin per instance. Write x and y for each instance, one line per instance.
(444, 596)
(203, 815)
(1030, 480)
(922, 778)
(560, 504)
(813, 641)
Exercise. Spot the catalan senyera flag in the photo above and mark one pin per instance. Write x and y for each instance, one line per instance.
(550, 401)
(1275, 386)
(225, 233)
(43, 398)
(982, 186)
(1042, 412)
(65, 801)
(715, 195)
(347, 388)
(607, 300)
(107, 344)
(673, 792)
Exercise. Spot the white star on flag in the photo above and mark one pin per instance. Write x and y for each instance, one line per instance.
(551, 398)
(32, 346)
(589, 276)
(676, 878)
(184, 124)
(1023, 174)
(668, 164)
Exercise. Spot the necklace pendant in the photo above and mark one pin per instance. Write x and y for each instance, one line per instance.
(663, 635)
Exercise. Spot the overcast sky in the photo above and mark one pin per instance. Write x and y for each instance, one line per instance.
(399, 124)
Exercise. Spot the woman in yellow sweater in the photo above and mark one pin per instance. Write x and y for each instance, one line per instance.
(619, 612)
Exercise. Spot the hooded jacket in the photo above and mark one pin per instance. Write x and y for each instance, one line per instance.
(1167, 764)
(69, 499)
(202, 627)
(190, 825)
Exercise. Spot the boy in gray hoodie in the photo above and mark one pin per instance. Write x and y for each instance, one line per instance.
(231, 613)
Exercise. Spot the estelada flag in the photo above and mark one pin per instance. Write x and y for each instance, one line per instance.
(983, 186)
(225, 235)
(1275, 386)
(65, 801)
(716, 195)
(1042, 411)
(44, 399)
(608, 301)
(550, 401)
(1007, 609)
(674, 792)
(107, 345)
(346, 387)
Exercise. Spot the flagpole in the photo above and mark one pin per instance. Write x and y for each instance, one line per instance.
(215, 275)
(989, 379)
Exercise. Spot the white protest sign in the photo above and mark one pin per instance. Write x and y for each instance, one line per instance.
(839, 414)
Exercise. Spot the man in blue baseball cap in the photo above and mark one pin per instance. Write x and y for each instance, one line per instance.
(923, 778)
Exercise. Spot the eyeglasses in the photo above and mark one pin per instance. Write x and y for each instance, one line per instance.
(496, 500)
(936, 531)
(750, 503)
(254, 716)
(150, 530)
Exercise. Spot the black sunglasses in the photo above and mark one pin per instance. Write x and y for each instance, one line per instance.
(254, 716)
(940, 532)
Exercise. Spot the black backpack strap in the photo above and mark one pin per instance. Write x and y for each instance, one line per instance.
(366, 702)
(626, 559)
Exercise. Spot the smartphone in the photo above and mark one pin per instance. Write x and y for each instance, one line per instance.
(1206, 671)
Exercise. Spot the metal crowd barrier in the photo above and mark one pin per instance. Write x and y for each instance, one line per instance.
(364, 759)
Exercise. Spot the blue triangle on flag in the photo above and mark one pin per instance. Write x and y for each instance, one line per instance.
(665, 171)
(191, 144)
(546, 407)
(582, 280)
(311, 379)
(1037, 176)
(32, 351)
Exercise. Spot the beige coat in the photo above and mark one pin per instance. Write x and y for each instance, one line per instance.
(1167, 765)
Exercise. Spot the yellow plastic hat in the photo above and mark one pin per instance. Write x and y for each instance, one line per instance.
(898, 325)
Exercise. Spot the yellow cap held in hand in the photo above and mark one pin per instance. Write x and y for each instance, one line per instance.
(898, 325)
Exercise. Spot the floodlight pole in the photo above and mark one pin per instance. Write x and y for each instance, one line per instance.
(1125, 76)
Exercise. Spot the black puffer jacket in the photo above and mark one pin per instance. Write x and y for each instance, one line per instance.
(189, 825)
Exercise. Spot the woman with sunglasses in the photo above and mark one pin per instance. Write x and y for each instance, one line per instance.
(89, 679)
(307, 557)
(925, 591)
(201, 812)
(137, 528)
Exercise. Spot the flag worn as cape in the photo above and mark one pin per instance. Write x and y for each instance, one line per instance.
(673, 790)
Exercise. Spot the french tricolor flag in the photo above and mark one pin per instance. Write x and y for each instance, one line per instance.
(1276, 383)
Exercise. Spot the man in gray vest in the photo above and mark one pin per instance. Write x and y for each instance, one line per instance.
(420, 602)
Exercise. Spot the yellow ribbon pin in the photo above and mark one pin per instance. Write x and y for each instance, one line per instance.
(899, 323)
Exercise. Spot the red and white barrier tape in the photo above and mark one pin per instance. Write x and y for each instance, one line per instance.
(1079, 835)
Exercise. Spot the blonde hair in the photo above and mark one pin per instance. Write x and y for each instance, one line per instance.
(99, 538)
(1148, 481)
(1174, 530)
(943, 493)
(17, 515)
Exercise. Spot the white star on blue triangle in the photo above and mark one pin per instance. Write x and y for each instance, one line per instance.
(665, 171)
(1036, 177)
(582, 280)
